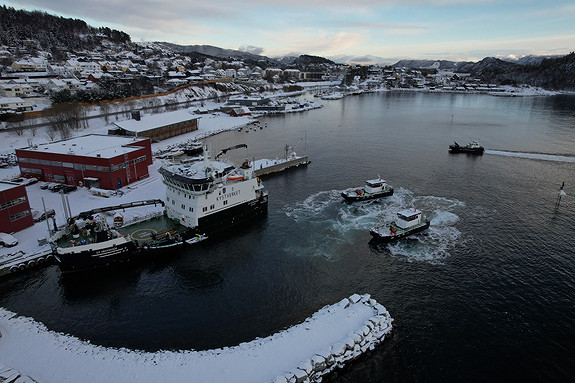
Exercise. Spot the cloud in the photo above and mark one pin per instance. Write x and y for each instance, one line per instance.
(313, 42)
(251, 49)
(384, 28)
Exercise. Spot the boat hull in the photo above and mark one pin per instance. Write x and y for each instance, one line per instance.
(94, 256)
(387, 237)
(233, 216)
(352, 198)
(462, 149)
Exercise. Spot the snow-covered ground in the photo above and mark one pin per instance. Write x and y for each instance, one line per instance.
(82, 200)
(304, 352)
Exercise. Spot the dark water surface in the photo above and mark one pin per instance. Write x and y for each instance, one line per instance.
(487, 294)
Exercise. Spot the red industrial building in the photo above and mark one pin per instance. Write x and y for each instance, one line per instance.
(101, 161)
(14, 208)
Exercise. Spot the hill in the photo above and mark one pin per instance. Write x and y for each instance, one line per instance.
(54, 34)
(219, 53)
(549, 73)
(429, 64)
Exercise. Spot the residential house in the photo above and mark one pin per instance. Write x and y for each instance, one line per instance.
(15, 90)
(14, 104)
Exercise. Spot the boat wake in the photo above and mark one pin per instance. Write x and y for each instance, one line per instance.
(533, 156)
(328, 224)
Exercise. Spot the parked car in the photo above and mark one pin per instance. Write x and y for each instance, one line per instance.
(30, 181)
(38, 215)
(56, 187)
(8, 240)
(17, 179)
(44, 185)
(68, 188)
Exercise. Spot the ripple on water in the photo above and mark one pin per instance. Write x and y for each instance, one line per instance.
(331, 224)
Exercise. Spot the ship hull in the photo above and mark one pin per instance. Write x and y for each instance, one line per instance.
(90, 257)
(387, 237)
(353, 198)
(463, 149)
(231, 217)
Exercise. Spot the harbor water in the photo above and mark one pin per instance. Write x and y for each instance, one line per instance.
(485, 294)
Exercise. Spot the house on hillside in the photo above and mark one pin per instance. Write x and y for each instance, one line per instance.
(15, 90)
(14, 104)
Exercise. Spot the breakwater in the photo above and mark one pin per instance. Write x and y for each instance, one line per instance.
(327, 340)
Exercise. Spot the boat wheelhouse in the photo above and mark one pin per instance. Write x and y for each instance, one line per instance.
(408, 221)
(375, 188)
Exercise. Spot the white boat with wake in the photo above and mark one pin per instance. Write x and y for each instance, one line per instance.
(409, 221)
(375, 188)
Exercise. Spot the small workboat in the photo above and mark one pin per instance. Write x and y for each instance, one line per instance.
(409, 221)
(376, 188)
(473, 147)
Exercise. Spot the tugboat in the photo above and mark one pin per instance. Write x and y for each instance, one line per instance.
(210, 195)
(408, 222)
(473, 148)
(376, 188)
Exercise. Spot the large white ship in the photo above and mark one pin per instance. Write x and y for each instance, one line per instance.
(210, 195)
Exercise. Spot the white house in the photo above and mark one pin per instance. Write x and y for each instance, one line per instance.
(15, 90)
(14, 104)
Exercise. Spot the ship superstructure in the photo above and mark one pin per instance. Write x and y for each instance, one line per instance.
(209, 195)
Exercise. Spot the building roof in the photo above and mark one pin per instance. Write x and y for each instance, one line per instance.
(4, 185)
(156, 121)
(91, 145)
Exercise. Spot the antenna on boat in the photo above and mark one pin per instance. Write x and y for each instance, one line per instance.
(561, 194)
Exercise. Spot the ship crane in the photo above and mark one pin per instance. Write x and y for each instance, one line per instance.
(89, 213)
(224, 151)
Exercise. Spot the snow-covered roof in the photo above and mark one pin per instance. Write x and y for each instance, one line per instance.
(156, 121)
(92, 145)
(7, 185)
(10, 100)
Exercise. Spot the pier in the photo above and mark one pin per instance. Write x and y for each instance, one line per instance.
(19, 261)
(265, 166)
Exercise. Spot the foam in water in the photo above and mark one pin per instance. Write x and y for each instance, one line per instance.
(328, 223)
(533, 156)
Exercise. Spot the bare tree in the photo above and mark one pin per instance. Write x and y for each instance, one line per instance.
(65, 118)
(105, 110)
(51, 133)
(20, 128)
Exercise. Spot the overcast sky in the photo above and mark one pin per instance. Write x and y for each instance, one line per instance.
(390, 29)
